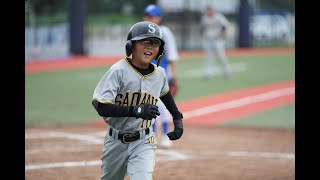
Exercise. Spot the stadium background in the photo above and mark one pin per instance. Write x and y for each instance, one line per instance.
(100, 27)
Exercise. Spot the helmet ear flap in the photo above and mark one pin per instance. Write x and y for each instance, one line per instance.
(128, 48)
(160, 55)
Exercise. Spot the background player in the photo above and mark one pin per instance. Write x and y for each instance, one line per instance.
(126, 98)
(153, 13)
(214, 33)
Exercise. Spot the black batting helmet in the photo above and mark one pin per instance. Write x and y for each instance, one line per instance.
(142, 30)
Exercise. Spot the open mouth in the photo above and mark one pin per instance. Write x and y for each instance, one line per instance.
(149, 54)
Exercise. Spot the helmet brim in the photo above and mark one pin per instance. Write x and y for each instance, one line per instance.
(146, 36)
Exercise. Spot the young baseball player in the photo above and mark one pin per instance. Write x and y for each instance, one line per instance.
(153, 13)
(214, 30)
(126, 98)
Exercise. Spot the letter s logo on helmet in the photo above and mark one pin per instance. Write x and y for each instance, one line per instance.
(151, 28)
(142, 30)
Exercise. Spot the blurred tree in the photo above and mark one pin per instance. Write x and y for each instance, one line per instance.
(44, 7)
(278, 5)
(49, 7)
(111, 6)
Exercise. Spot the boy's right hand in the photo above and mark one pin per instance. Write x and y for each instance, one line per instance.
(146, 111)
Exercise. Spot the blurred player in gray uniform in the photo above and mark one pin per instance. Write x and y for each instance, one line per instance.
(153, 13)
(214, 33)
(126, 98)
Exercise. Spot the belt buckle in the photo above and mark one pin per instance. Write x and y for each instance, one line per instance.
(127, 135)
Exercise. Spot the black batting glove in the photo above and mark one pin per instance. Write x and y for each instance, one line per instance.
(178, 129)
(146, 111)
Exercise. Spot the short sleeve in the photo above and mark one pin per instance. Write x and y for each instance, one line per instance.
(165, 87)
(170, 45)
(223, 20)
(108, 87)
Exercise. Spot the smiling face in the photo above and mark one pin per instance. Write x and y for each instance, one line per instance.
(144, 51)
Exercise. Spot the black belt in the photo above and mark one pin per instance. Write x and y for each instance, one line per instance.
(128, 137)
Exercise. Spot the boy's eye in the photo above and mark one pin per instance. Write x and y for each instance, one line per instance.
(151, 42)
(147, 42)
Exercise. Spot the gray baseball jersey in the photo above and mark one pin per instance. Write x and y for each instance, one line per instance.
(125, 86)
(213, 24)
(214, 43)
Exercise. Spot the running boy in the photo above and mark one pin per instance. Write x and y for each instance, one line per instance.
(126, 98)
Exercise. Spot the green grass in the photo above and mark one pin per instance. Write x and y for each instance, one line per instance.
(60, 97)
(282, 117)
(64, 97)
(259, 70)
(271, 44)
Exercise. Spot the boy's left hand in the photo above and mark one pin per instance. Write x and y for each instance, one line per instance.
(178, 130)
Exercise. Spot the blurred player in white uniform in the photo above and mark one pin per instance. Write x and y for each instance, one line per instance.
(214, 33)
(152, 13)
